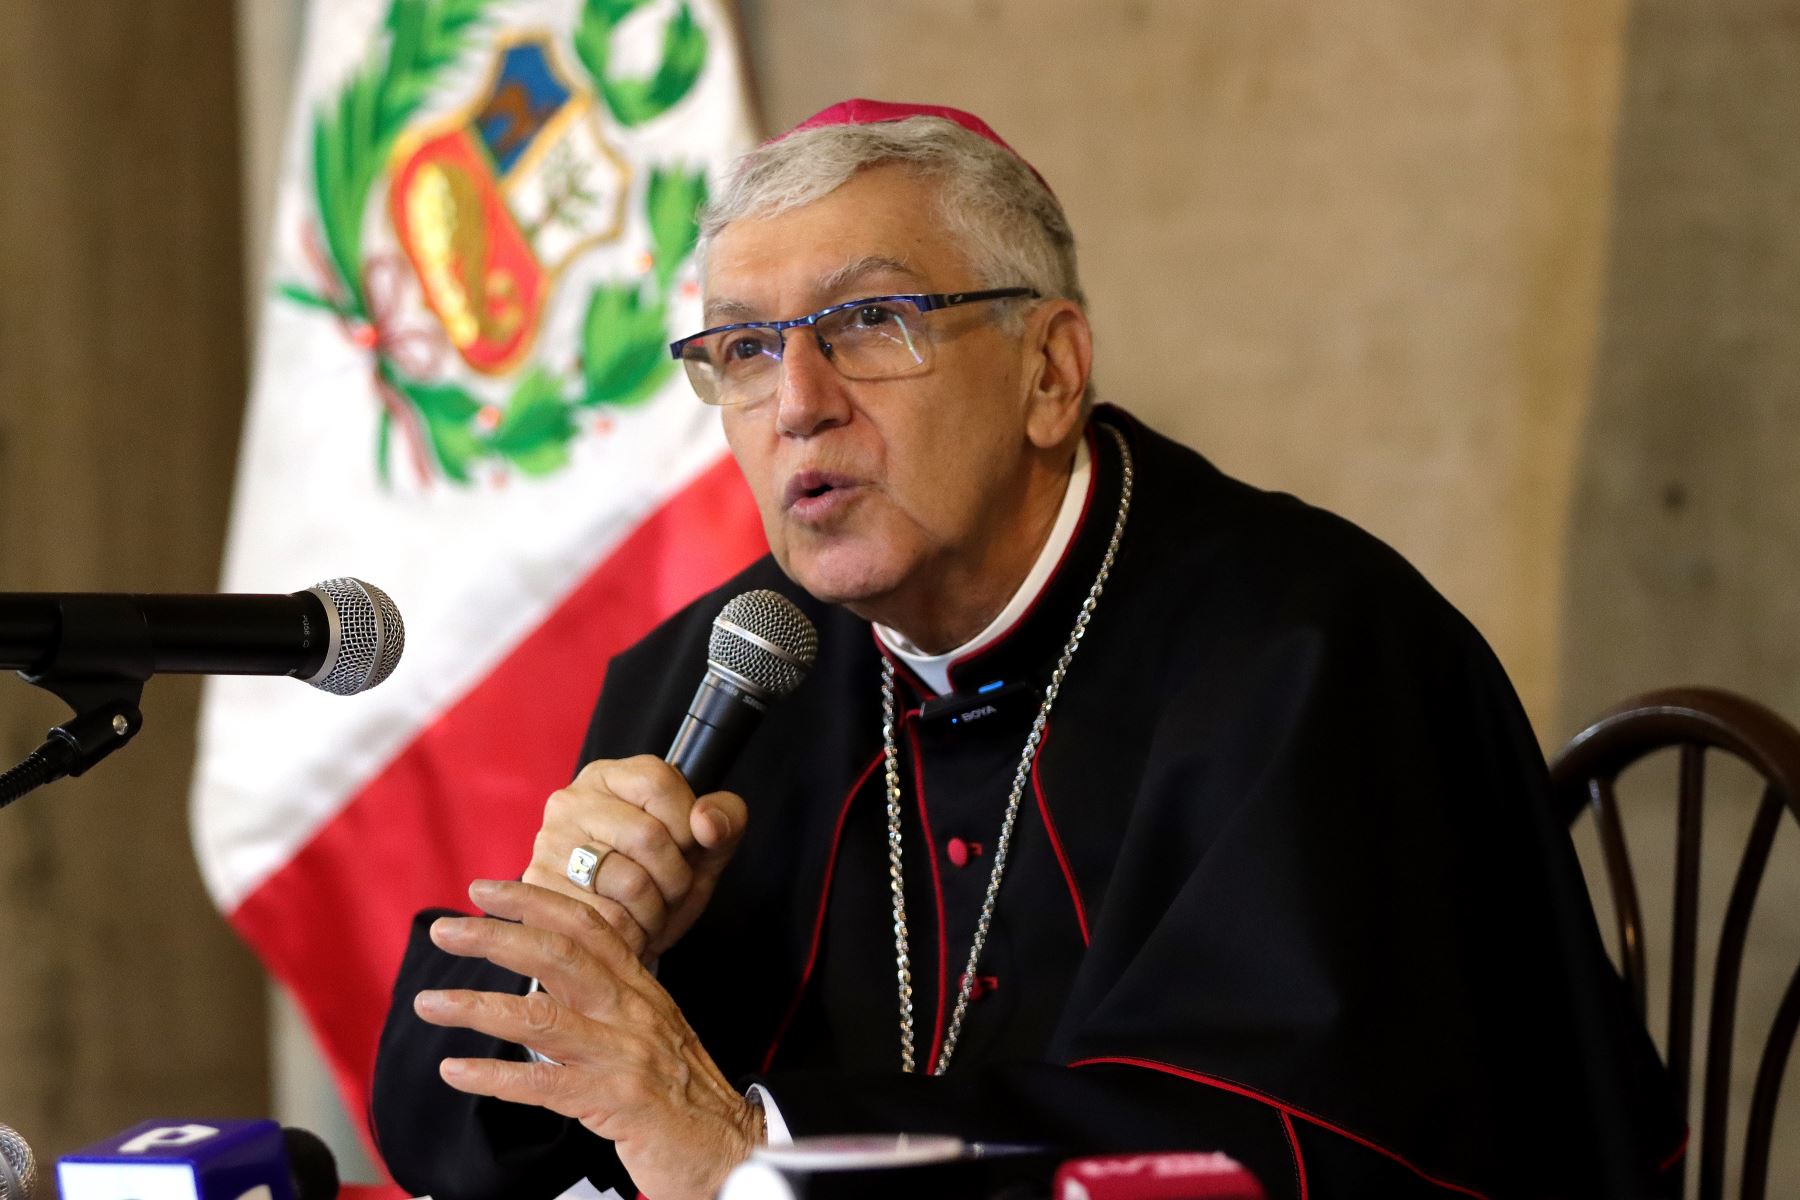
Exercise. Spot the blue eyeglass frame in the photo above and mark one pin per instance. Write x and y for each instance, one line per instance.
(923, 301)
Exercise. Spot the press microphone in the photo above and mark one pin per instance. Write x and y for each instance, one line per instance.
(760, 649)
(201, 1160)
(1174, 1175)
(902, 1166)
(890, 1167)
(341, 636)
(18, 1168)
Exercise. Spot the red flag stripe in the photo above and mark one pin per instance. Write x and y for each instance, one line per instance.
(463, 799)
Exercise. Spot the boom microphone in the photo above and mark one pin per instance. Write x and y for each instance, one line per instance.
(761, 647)
(342, 636)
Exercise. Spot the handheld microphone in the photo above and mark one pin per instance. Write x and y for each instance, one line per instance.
(18, 1168)
(761, 647)
(341, 636)
(195, 1160)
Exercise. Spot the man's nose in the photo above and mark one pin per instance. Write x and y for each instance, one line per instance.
(811, 396)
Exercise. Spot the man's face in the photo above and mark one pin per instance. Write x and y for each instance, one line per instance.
(873, 492)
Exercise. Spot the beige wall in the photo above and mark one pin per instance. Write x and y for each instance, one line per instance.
(1684, 545)
(1510, 282)
(122, 994)
(1353, 251)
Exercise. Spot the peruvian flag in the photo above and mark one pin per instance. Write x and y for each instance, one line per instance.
(483, 244)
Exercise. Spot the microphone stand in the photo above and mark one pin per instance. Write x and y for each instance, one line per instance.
(98, 666)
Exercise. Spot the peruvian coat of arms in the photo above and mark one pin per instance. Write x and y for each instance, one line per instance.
(443, 245)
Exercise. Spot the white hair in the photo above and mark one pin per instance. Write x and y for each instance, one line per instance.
(1008, 223)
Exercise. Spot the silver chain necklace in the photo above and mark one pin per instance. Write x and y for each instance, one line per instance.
(896, 881)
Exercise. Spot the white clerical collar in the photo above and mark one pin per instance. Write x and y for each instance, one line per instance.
(934, 669)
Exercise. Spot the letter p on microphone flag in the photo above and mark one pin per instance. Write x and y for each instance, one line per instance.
(483, 243)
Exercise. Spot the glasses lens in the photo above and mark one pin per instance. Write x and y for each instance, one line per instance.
(876, 340)
(733, 367)
(702, 378)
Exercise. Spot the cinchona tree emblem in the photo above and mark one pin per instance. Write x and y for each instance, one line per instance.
(482, 211)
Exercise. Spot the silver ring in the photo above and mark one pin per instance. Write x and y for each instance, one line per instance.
(584, 864)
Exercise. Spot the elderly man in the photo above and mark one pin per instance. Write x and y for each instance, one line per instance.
(1127, 807)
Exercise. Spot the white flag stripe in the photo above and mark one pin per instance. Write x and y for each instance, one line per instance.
(475, 566)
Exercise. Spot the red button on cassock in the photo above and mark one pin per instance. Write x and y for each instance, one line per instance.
(960, 852)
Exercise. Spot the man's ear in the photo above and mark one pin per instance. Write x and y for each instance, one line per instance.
(1061, 349)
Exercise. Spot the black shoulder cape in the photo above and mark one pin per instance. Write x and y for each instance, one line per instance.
(1285, 882)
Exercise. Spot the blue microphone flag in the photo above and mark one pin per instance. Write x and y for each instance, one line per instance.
(181, 1160)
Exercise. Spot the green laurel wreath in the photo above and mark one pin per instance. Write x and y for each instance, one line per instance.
(624, 332)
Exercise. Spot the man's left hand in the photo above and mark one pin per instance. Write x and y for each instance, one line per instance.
(628, 1066)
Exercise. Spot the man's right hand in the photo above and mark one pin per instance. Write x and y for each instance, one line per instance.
(662, 848)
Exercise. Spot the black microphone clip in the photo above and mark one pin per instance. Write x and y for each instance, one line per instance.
(98, 667)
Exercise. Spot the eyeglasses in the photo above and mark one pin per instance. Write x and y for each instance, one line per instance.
(880, 337)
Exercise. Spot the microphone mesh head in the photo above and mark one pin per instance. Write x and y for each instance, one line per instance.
(18, 1169)
(393, 639)
(764, 639)
(370, 636)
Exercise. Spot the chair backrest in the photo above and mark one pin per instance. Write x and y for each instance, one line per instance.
(1693, 721)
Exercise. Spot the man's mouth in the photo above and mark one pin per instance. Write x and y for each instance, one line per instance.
(811, 493)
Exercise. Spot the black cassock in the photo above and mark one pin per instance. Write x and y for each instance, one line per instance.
(1285, 883)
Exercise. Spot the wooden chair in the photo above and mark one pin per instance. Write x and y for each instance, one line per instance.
(1695, 720)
